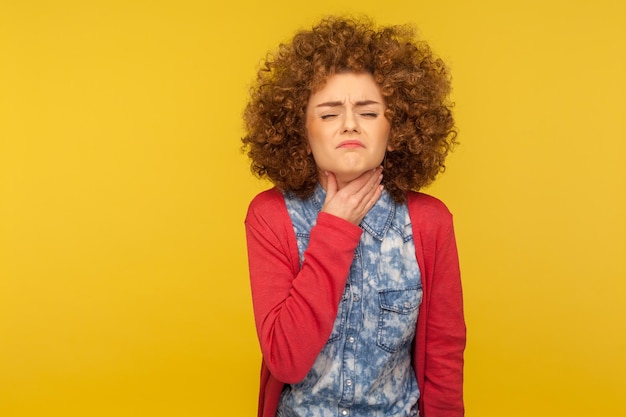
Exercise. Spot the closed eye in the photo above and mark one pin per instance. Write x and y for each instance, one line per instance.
(328, 116)
(369, 115)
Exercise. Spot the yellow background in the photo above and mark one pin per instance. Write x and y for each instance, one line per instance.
(123, 277)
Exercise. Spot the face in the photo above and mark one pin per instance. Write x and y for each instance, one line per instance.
(346, 126)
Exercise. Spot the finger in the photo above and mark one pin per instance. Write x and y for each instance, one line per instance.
(370, 186)
(363, 184)
(367, 196)
(369, 200)
(378, 191)
(376, 177)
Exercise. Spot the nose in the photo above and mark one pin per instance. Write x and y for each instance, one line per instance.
(350, 123)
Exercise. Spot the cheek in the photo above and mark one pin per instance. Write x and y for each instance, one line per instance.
(313, 128)
(315, 135)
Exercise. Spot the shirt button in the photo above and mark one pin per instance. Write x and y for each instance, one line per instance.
(344, 412)
(351, 339)
(407, 304)
(355, 298)
(348, 383)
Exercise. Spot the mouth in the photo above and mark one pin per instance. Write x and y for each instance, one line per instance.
(351, 144)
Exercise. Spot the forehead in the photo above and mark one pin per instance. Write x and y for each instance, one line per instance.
(348, 85)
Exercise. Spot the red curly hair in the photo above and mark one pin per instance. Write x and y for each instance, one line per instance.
(414, 84)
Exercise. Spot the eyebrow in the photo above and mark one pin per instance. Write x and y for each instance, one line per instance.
(339, 103)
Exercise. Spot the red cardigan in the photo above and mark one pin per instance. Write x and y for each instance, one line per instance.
(295, 308)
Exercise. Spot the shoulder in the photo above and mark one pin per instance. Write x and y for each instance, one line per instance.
(267, 207)
(271, 197)
(427, 207)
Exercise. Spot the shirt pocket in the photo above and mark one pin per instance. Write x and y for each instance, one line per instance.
(397, 317)
(340, 320)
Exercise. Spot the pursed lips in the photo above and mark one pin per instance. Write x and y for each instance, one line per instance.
(351, 144)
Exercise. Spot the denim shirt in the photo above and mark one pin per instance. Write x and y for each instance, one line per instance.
(365, 369)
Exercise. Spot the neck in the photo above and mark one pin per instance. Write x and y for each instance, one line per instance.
(341, 182)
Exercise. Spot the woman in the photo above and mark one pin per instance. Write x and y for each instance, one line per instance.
(354, 274)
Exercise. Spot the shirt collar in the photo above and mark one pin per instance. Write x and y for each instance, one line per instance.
(376, 222)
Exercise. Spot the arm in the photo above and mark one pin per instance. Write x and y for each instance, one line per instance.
(440, 339)
(295, 309)
(445, 331)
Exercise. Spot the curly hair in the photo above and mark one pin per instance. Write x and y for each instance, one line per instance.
(413, 82)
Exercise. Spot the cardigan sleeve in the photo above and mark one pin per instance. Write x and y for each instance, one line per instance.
(445, 333)
(443, 327)
(295, 307)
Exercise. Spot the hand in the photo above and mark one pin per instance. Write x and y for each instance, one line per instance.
(355, 199)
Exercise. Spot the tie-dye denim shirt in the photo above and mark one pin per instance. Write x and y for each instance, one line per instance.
(365, 369)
